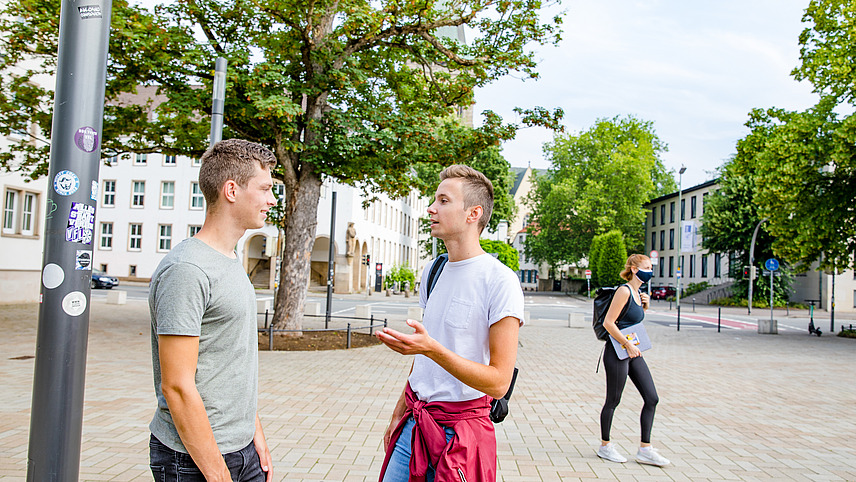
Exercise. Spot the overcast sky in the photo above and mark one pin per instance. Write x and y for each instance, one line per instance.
(693, 68)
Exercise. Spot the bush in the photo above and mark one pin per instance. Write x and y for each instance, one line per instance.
(505, 253)
(400, 274)
(610, 257)
(847, 333)
(694, 288)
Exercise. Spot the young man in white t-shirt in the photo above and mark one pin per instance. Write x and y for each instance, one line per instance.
(465, 348)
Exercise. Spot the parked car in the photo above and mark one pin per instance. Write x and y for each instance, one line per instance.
(662, 292)
(100, 279)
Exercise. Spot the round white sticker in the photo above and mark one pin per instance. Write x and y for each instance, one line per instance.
(66, 183)
(52, 276)
(74, 303)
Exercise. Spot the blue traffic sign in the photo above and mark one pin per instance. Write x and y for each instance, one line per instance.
(771, 264)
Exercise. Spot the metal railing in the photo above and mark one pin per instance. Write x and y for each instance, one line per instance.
(269, 331)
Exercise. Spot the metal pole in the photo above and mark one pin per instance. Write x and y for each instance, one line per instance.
(832, 303)
(679, 317)
(56, 415)
(219, 101)
(772, 274)
(330, 261)
(719, 320)
(680, 237)
(752, 262)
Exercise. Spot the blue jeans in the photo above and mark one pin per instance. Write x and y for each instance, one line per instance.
(169, 465)
(398, 468)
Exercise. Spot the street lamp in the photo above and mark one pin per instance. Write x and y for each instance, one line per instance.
(680, 236)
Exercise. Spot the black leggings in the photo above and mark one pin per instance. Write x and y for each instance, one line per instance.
(616, 376)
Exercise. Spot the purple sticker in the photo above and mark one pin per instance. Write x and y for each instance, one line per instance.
(81, 222)
(86, 139)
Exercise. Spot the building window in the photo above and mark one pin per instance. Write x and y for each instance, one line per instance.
(672, 238)
(109, 199)
(654, 241)
(683, 209)
(692, 207)
(704, 266)
(671, 266)
(138, 196)
(654, 217)
(168, 160)
(135, 238)
(197, 200)
(167, 195)
(663, 239)
(703, 202)
(141, 159)
(662, 214)
(717, 265)
(132, 271)
(192, 230)
(692, 265)
(672, 212)
(111, 161)
(196, 162)
(10, 211)
(106, 235)
(104, 267)
(662, 265)
(164, 237)
(28, 213)
(19, 212)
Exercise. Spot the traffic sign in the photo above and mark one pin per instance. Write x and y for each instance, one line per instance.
(679, 272)
(655, 256)
(588, 274)
(771, 264)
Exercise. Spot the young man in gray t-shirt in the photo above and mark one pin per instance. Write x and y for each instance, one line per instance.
(204, 340)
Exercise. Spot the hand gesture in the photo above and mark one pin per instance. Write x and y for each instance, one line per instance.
(419, 343)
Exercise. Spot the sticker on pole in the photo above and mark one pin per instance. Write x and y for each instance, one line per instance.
(89, 11)
(93, 191)
(83, 260)
(74, 303)
(52, 276)
(86, 138)
(66, 183)
(81, 222)
(772, 264)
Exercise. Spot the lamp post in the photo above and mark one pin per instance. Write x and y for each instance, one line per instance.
(218, 101)
(752, 263)
(680, 236)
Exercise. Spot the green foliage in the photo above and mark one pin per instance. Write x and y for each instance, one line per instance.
(694, 288)
(611, 259)
(400, 274)
(847, 333)
(594, 258)
(599, 180)
(828, 52)
(506, 253)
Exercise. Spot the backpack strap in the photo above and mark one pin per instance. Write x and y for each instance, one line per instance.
(626, 305)
(436, 269)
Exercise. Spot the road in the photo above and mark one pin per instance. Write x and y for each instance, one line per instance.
(554, 308)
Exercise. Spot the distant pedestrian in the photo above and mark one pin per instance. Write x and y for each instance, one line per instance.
(204, 338)
(637, 270)
(465, 348)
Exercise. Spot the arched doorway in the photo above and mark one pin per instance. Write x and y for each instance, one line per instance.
(318, 261)
(256, 264)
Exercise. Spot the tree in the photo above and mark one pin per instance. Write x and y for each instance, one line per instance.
(351, 90)
(612, 255)
(599, 180)
(828, 51)
(805, 183)
(505, 253)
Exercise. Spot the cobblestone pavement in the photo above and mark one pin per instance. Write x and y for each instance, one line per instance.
(733, 405)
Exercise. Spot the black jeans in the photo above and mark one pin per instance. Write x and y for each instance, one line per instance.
(617, 372)
(169, 465)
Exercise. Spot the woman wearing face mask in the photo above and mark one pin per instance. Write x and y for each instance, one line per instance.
(637, 270)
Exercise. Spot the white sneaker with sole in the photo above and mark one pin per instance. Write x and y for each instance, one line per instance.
(609, 452)
(651, 457)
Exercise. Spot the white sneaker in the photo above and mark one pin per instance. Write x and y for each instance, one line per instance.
(609, 452)
(651, 457)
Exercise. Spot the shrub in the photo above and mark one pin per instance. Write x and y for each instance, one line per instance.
(611, 254)
(400, 274)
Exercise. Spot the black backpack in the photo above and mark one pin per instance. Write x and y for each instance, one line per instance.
(602, 300)
(498, 406)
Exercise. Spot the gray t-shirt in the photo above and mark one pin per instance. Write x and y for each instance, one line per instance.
(197, 291)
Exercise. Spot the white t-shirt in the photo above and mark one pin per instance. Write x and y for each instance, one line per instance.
(469, 297)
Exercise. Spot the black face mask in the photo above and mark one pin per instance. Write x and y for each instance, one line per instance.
(644, 275)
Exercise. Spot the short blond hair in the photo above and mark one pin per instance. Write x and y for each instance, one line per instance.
(478, 190)
(634, 260)
(231, 159)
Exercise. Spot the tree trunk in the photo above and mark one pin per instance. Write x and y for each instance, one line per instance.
(299, 223)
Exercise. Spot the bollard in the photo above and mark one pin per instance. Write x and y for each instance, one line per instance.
(270, 338)
(693, 305)
(371, 325)
(679, 318)
(670, 305)
(266, 319)
(719, 320)
(349, 336)
(788, 307)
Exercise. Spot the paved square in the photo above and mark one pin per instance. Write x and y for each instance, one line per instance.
(733, 405)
